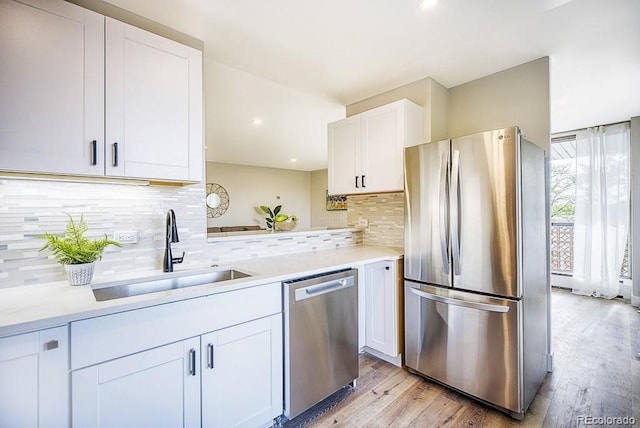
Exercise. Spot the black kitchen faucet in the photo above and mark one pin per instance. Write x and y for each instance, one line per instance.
(171, 236)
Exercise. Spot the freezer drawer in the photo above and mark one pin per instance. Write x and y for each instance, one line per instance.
(465, 340)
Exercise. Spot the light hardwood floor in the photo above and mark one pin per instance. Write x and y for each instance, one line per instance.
(597, 373)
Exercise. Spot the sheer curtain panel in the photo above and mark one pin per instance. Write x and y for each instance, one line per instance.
(602, 209)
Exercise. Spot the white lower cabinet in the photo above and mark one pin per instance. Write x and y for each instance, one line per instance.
(158, 387)
(226, 378)
(382, 311)
(242, 374)
(34, 383)
(214, 361)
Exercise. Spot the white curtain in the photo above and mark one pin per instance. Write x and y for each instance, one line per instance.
(602, 209)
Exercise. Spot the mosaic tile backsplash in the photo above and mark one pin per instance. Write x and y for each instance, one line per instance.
(28, 208)
(225, 251)
(385, 214)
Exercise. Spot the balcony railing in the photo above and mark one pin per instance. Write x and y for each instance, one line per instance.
(562, 251)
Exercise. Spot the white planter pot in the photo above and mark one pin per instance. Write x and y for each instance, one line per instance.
(79, 274)
(286, 225)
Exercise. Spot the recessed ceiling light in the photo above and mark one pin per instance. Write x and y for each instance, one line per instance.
(257, 121)
(426, 4)
(294, 160)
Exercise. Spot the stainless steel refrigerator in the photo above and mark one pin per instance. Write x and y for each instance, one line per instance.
(476, 283)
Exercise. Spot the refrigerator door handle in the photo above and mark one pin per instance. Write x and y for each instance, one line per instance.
(444, 232)
(455, 211)
(462, 303)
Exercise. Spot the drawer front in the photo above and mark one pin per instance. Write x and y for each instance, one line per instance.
(107, 337)
(465, 340)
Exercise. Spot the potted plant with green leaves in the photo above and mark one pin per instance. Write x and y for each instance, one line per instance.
(278, 221)
(76, 252)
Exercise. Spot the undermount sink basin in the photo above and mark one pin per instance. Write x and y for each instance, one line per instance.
(163, 284)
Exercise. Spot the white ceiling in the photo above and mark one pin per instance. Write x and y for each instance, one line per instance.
(297, 63)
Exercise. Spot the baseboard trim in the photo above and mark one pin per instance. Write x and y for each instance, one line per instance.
(396, 361)
(625, 290)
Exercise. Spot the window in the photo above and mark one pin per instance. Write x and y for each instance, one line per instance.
(563, 199)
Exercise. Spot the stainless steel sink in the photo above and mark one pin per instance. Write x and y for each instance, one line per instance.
(163, 284)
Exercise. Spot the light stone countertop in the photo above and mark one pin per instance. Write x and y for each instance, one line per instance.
(34, 307)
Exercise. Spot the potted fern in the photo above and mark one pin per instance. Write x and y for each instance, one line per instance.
(76, 252)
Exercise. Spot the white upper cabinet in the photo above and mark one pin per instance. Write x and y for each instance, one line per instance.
(61, 65)
(153, 106)
(344, 155)
(52, 88)
(366, 150)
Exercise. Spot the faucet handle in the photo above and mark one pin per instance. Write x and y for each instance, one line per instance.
(178, 259)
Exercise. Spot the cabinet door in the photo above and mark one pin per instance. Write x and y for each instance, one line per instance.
(52, 86)
(344, 156)
(381, 307)
(382, 149)
(159, 387)
(34, 390)
(242, 374)
(153, 106)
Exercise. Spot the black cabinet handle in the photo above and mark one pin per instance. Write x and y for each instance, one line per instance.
(357, 182)
(363, 185)
(210, 356)
(192, 362)
(94, 152)
(115, 154)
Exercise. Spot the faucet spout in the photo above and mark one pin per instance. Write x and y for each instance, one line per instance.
(171, 236)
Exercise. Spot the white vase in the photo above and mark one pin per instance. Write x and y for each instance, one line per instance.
(79, 274)
(286, 225)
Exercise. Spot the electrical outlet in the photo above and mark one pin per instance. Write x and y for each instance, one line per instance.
(128, 237)
(363, 222)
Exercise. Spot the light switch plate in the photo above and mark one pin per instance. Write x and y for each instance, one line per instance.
(363, 222)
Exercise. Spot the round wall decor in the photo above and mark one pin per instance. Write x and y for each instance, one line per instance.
(217, 200)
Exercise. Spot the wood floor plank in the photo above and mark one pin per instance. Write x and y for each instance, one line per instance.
(363, 410)
(406, 409)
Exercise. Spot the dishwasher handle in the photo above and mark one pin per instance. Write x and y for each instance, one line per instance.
(303, 293)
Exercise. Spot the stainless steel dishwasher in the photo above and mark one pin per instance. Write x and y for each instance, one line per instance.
(320, 337)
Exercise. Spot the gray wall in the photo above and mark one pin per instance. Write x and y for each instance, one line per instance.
(431, 95)
(516, 96)
(252, 186)
(320, 217)
(635, 209)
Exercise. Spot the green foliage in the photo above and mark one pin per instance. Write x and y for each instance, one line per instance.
(73, 248)
(274, 216)
(271, 215)
(563, 190)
